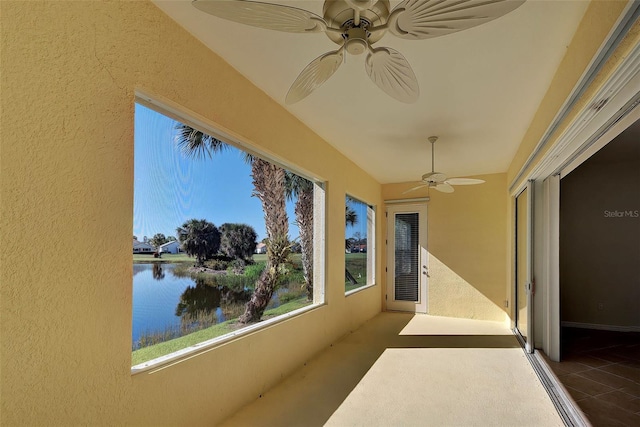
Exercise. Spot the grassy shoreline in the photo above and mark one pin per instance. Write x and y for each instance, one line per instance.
(166, 258)
(151, 352)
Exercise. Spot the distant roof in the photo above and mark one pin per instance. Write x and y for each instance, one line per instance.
(169, 243)
(142, 244)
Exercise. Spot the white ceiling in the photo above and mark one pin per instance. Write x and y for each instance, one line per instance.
(479, 88)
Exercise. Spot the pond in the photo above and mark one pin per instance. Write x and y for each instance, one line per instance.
(166, 306)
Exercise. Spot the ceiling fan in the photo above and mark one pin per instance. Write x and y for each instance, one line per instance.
(438, 180)
(356, 25)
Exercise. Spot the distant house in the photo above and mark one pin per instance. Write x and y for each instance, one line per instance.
(261, 248)
(172, 247)
(359, 249)
(142, 247)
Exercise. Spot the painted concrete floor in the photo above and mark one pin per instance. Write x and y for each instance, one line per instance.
(411, 370)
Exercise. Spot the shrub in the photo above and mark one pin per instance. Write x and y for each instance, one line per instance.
(253, 272)
(218, 263)
(236, 267)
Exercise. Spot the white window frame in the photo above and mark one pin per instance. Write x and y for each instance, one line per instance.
(180, 114)
(371, 245)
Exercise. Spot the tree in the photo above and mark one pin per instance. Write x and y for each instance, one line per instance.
(350, 219)
(302, 189)
(238, 240)
(269, 188)
(158, 239)
(171, 239)
(350, 215)
(199, 238)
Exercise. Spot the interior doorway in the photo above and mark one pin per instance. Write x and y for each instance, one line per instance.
(599, 282)
(600, 240)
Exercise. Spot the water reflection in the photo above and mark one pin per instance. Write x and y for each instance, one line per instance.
(157, 271)
(168, 305)
(199, 301)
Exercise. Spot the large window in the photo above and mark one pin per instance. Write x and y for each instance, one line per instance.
(359, 244)
(209, 261)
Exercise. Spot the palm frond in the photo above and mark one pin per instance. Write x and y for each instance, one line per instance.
(196, 144)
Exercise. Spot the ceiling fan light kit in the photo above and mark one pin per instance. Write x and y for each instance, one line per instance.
(356, 25)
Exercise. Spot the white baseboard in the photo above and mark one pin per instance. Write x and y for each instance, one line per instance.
(601, 327)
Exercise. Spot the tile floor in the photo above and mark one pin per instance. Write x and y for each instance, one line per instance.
(601, 371)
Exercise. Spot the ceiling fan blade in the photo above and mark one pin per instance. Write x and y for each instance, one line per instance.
(415, 188)
(391, 72)
(444, 188)
(263, 15)
(314, 75)
(424, 19)
(463, 181)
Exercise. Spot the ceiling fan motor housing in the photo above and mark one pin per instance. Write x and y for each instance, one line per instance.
(356, 40)
(434, 177)
(339, 14)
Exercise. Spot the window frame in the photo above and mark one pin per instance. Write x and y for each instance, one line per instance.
(180, 114)
(371, 245)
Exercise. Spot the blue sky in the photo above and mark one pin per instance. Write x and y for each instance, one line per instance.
(170, 188)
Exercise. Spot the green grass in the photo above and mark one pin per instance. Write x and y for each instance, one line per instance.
(173, 258)
(357, 266)
(157, 350)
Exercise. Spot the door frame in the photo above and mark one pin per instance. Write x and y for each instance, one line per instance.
(423, 301)
(529, 278)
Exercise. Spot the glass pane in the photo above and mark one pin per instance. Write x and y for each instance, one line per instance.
(521, 263)
(203, 221)
(359, 219)
(406, 255)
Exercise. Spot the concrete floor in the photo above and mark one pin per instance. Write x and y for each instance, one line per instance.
(411, 370)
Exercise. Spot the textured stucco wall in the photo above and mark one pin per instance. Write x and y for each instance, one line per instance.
(466, 244)
(69, 74)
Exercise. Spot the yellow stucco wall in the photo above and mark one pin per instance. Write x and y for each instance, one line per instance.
(68, 80)
(466, 244)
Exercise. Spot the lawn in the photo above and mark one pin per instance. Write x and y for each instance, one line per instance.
(356, 264)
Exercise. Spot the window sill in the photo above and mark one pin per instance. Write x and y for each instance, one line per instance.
(163, 361)
(355, 291)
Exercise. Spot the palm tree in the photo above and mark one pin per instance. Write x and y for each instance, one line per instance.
(350, 218)
(302, 189)
(199, 238)
(269, 188)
